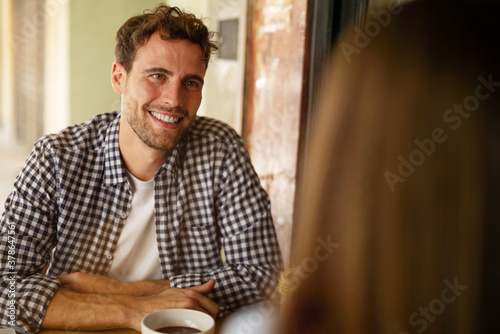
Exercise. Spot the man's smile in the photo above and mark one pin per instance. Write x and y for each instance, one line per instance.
(165, 118)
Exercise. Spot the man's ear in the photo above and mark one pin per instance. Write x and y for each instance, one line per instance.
(118, 77)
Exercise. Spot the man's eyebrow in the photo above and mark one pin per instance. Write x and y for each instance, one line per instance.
(157, 69)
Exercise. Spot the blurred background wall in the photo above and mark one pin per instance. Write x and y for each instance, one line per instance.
(91, 34)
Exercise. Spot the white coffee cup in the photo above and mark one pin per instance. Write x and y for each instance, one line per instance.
(177, 318)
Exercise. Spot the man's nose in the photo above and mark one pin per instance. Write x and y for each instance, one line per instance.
(172, 94)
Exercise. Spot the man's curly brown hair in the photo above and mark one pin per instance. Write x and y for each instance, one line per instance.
(170, 23)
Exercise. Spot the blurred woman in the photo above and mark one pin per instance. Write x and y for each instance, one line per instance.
(404, 174)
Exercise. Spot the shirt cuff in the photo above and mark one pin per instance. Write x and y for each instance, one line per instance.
(30, 298)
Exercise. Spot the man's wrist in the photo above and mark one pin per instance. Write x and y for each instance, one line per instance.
(128, 316)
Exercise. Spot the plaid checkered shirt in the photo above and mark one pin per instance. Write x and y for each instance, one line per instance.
(72, 197)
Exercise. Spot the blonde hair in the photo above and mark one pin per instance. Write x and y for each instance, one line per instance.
(402, 178)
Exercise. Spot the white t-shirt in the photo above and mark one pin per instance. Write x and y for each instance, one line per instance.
(136, 256)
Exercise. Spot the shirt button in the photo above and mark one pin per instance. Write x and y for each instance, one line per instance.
(123, 215)
(109, 256)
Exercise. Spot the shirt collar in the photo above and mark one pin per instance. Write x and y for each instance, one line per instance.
(171, 164)
(176, 158)
(114, 171)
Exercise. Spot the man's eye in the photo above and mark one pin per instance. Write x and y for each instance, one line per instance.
(192, 84)
(158, 76)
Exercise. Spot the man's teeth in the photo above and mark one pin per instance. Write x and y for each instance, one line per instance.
(165, 118)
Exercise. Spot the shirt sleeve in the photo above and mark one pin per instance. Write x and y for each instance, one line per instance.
(253, 263)
(27, 236)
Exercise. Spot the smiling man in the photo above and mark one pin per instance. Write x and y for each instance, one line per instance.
(132, 210)
(160, 96)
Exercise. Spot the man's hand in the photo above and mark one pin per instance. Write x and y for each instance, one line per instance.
(192, 298)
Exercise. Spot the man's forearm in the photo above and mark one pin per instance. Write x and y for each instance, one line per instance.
(75, 307)
(82, 311)
(87, 283)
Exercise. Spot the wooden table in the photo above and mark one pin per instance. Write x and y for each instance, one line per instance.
(218, 325)
(109, 331)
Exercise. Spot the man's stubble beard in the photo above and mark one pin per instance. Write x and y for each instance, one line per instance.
(144, 130)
